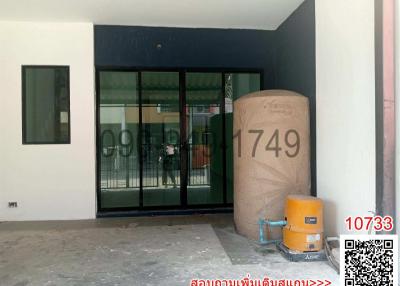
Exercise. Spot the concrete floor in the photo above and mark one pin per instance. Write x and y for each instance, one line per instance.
(169, 250)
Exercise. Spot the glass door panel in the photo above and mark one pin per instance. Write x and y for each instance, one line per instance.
(118, 156)
(236, 85)
(160, 138)
(204, 127)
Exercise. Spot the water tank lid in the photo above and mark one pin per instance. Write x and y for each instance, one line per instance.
(302, 198)
(271, 92)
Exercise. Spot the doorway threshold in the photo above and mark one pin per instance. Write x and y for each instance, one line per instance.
(137, 213)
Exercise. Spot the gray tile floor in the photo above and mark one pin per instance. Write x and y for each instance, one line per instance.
(168, 250)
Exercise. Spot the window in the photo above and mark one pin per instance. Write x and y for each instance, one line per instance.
(45, 105)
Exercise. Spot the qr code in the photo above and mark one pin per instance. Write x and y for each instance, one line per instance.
(369, 260)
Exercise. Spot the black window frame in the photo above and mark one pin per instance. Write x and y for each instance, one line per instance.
(23, 105)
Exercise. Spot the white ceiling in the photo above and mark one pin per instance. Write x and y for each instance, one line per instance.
(252, 14)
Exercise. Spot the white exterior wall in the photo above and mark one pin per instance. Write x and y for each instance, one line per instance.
(49, 182)
(397, 71)
(345, 104)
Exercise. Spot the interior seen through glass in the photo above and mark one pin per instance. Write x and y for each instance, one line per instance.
(156, 176)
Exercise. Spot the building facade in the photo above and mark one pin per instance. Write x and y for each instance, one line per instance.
(128, 95)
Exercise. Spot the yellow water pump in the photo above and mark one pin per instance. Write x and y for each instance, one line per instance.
(304, 223)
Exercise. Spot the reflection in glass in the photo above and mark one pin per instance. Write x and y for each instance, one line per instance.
(119, 127)
(204, 128)
(160, 138)
(46, 104)
(160, 143)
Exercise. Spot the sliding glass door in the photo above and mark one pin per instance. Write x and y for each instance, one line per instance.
(160, 138)
(205, 129)
(164, 138)
(118, 133)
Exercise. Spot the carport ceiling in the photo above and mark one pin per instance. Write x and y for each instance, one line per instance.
(246, 14)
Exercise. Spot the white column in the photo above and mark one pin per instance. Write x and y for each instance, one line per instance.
(345, 104)
(397, 73)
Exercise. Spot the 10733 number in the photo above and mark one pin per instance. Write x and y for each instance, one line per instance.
(378, 223)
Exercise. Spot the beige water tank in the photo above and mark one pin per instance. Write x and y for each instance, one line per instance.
(271, 156)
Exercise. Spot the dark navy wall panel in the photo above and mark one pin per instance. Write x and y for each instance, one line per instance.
(287, 55)
(131, 46)
(295, 63)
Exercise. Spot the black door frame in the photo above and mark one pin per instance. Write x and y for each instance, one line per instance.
(183, 206)
(183, 140)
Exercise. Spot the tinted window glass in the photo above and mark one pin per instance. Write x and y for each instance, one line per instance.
(45, 96)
